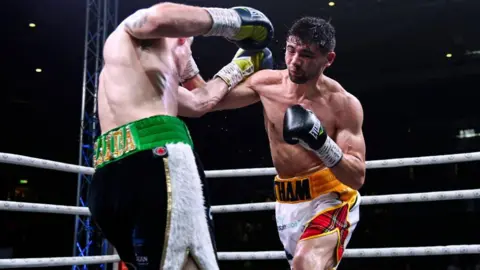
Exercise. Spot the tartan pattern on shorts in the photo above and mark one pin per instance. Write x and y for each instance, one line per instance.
(329, 221)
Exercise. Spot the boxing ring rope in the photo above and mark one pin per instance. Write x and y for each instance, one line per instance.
(262, 255)
(250, 207)
(255, 255)
(374, 164)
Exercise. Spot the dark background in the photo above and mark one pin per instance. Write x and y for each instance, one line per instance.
(390, 54)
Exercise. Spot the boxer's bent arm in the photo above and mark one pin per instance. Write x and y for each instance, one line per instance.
(201, 100)
(168, 20)
(351, 169)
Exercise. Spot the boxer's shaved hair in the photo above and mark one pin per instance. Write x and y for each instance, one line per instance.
(314, 30)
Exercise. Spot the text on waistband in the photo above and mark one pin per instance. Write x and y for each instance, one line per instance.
(113, 145)
(298, 190)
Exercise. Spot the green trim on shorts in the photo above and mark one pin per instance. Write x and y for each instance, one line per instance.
(140, 135)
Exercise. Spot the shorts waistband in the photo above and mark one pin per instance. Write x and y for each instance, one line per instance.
(144, 134)
(308, 187)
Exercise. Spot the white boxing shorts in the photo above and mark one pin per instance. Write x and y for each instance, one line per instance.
(312, 206)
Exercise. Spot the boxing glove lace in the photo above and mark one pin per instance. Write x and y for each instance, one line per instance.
(302, 126)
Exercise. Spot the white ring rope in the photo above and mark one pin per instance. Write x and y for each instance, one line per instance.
(366, 200)
(249, 207)
(255, 255)
(43, 208)
(43, 163)
(360, 252)
(57, 261)
(374, 164)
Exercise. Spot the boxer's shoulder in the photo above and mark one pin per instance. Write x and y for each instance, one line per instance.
(339, 98)
(117, 46)
(346, 105)
(118, 35)
(336, 91)
(264, 78)
(333, 85)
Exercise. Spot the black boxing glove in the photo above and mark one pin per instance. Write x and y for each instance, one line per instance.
(247, 27)
(302, 126)
(256, 31)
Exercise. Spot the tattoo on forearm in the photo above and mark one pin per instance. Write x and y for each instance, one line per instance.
(140, 22)
(137, 20)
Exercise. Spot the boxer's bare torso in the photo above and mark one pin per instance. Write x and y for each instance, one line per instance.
(328, 101)
(137, 81)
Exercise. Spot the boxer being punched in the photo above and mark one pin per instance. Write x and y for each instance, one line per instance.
(146, 194)
(315, 131)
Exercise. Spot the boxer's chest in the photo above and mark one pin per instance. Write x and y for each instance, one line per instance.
(275, 108)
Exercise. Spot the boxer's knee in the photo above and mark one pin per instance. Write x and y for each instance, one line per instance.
(300, 261)
(307, 259)
(316, 253)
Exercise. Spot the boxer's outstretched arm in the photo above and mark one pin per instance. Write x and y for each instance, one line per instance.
(241, 96)
(168, 20)
(214, 96)
(351, 168)
(201, 100)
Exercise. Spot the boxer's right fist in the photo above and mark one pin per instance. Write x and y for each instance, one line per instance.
(244, 64)
(256, 31)
(302, 126)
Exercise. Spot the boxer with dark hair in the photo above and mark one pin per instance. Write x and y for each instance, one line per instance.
(315, 131)
(147, 191)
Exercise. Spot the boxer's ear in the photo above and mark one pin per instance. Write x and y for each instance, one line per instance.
(330, 58)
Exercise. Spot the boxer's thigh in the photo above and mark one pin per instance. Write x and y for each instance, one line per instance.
(324, 237)
(151, 213)
(110, 201)
(316, 253)
(290, 219)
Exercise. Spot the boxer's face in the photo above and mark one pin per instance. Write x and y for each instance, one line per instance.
(305, 61)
